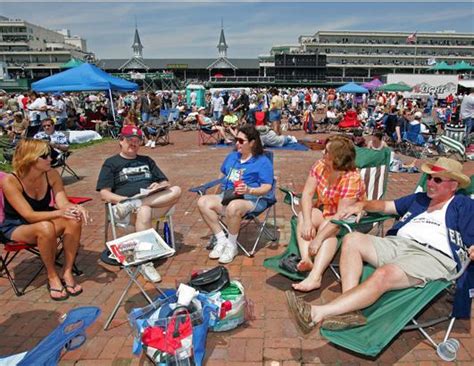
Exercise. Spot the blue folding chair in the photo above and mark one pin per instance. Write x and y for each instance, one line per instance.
(250, 216)
(68, 336)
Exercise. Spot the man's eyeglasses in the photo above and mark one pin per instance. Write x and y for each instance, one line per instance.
(241, 141)
(437, 180)
(47, 126)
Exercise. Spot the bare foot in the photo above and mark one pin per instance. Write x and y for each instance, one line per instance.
(304, 266)
(307, 285)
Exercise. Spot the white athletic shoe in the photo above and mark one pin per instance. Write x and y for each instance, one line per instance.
(229, 254)
(122, 210)
(153, 144)
(148, 144)
(217, 251)
(149, 272)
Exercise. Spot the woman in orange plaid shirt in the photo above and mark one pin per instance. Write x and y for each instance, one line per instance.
(337, 184)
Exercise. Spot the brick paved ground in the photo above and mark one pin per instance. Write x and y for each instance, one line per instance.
(271, 339)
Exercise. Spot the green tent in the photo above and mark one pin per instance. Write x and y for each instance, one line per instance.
(441, 66)
(395, 87)
(73, 62)
(461, 66)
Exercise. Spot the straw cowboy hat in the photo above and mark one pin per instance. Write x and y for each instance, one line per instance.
(447, 168)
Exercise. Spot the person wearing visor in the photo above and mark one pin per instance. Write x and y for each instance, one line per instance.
(123, 175)
(435, 230)
(37, 211)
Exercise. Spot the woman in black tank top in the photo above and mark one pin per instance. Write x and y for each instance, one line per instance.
(37, 211)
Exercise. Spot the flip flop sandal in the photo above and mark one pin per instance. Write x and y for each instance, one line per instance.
(62, 298)
(301, 310)
(72, 287)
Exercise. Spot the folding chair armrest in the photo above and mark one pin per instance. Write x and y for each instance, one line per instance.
(79, 200)
(201, 190)
(465, 263)
(371, 218)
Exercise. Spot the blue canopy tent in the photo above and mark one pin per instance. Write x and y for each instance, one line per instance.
(352, 88)
(86, 77)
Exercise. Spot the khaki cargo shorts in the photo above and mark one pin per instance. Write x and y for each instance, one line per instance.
(416, 260)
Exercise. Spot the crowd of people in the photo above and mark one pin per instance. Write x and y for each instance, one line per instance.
(280, 109)
(37, 209)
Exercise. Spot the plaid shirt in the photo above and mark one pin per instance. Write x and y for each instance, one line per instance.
(349, 185)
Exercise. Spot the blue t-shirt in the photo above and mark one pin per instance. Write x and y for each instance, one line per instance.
(256, 171)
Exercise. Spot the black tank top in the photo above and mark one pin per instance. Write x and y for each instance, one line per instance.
(43, 204)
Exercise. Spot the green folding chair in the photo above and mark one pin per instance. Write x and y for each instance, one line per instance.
(391, 314)
(374, 168)
(395, 309)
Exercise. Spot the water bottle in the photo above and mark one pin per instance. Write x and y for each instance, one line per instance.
(167, 233)
(447, 350)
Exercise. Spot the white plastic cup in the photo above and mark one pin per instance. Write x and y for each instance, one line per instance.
(447, 351)
(186, 294)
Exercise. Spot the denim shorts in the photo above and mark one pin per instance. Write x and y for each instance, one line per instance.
(8, 226)
(274, 115)
(259, 203)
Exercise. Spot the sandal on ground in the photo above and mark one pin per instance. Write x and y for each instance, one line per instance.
(68, 289)
(301, 311)
(60, 290)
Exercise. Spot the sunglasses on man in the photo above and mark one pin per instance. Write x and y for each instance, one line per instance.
(437, 180)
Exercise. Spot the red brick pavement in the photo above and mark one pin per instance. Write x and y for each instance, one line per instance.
(271, 339)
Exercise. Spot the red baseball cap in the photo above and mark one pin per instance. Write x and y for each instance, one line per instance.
(131, 131)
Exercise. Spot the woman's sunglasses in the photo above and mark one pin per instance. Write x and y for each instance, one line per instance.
(45, 156)
(241, 141)
(437, 180)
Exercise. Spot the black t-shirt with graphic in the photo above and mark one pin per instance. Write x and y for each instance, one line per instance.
(126, 176)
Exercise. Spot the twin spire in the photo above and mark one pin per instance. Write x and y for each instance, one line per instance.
(222, 46)
(137, 44)
(138, 47)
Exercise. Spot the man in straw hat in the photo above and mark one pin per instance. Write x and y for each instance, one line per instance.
(436, 229)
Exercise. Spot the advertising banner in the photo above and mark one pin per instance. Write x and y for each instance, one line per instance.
(424, 84)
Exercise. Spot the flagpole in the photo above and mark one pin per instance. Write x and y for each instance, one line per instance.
(414, 59)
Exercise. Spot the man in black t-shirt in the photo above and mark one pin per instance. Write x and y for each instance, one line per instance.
(123, 175)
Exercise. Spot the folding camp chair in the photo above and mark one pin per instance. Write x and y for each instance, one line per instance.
(12, 249)
(206, 135)
(133, 270)
(250, 216)
(158, 129)
(62, 163)
(68, 336)
(390, 314)
(110, 222)
(374, 168)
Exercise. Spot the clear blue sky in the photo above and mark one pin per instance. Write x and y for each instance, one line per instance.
(192, 29)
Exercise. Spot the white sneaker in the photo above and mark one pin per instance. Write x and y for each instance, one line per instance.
(122, 210)
(153, 144)
(229, 254)
(148, 144)
(217, 251)
(149, 272)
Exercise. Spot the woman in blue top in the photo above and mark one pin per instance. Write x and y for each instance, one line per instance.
(249, 174)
